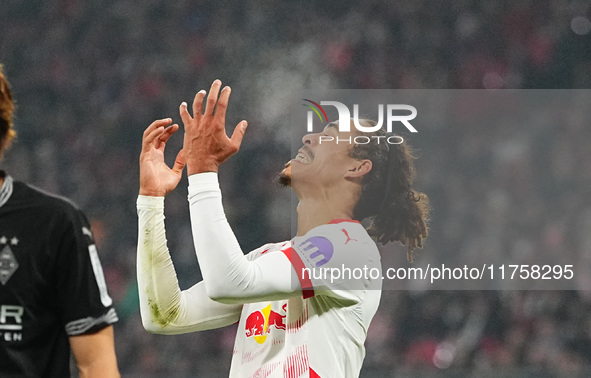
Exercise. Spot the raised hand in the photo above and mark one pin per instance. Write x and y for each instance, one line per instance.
(156, 177)
(206, 144)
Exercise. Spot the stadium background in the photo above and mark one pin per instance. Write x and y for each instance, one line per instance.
(89, 78)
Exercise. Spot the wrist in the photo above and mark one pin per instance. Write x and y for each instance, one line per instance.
(151, 193)
(201, 167)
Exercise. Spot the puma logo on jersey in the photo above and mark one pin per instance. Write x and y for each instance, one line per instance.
(86, 231)
(347, 235)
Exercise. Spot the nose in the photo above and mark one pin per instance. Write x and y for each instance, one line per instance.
(310, 139)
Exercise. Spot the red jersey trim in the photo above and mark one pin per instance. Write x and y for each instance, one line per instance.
(313, 374)
(336, 221)
(298, 264)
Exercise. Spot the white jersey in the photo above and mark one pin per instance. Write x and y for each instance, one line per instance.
(322, 332)
(303, 306)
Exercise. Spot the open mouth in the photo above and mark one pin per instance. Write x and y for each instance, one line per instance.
(302, 158)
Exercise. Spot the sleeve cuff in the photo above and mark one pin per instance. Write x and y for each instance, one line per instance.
(203, 182)
(150, 203)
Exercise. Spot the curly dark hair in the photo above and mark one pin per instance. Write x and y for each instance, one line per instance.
(394, 210)
(7, 133)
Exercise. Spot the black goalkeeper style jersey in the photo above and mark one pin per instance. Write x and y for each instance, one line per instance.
(51, 282)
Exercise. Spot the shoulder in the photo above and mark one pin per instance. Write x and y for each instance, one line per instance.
(337, 242)
(30, 199)
(43, 198)
(340, 234)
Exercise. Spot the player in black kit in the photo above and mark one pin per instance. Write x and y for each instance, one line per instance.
(53, 296)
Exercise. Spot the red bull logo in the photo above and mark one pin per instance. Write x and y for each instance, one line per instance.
(259, 323)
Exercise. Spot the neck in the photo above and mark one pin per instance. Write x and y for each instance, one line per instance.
(316, 212)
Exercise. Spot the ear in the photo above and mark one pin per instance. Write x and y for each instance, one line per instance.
(359, 169)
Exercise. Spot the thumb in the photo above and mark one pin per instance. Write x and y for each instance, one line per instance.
(179, 162)
(238, 133)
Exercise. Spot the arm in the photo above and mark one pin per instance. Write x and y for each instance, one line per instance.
(95, 354)
(84, 305)
(228, 275)
(232, 278)
(163, 306)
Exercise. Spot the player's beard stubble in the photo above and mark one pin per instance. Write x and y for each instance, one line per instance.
(284, 178)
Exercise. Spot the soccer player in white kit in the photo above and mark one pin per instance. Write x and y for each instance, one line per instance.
(294, 321)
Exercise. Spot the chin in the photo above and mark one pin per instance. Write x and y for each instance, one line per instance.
(284, 178)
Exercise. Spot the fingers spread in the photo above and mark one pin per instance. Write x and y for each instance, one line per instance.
(212, 97)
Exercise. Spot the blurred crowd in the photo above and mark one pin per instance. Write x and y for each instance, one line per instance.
(88, 77)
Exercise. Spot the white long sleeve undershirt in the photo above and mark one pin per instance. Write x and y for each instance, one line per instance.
(164, 307)
(229, 277)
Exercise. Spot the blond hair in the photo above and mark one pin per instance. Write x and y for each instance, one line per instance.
(7, 132)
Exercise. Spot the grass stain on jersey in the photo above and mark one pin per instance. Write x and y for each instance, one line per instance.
(159, 318)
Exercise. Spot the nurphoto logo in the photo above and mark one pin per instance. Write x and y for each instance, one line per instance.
(393, 115)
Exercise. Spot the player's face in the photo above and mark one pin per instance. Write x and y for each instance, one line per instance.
(320, 160)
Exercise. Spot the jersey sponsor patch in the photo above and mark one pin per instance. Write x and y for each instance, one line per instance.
(11, 323)
(317, 250)
(258, 323)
